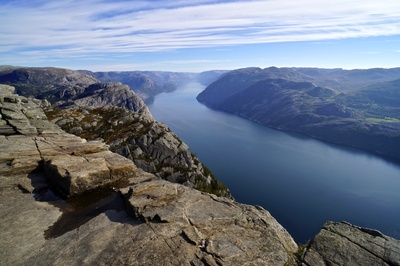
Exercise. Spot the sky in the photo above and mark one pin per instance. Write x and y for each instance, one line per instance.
(199, 35)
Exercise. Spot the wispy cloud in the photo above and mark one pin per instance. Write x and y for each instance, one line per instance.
(82, 28)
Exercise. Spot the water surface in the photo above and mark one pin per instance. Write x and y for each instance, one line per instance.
(301, 181)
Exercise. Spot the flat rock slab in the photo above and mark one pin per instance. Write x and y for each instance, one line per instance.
(75, 175)
(346, 244)
(233, 233)
(23, 221)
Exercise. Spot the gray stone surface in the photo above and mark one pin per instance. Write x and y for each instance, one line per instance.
(346, 244)
(6, 89)
(234, 234)
(72, 164)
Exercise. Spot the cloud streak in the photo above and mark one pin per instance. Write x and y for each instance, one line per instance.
(76, 28)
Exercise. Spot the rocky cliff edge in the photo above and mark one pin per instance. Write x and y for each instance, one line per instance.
(110, 212)
(105, 211)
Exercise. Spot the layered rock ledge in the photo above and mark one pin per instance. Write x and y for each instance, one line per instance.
(72, 164)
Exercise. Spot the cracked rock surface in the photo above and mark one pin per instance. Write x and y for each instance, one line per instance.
(234, 234)
(72, 164)
(346, 244)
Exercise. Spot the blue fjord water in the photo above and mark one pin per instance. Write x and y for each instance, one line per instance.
(301, 181)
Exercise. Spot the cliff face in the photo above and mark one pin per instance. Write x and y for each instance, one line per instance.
(166, 223)
(152, 146)
(113, 112)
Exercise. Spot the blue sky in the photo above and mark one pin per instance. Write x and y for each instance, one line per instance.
(199, 35)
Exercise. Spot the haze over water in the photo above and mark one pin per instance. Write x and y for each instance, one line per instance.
(303, 182)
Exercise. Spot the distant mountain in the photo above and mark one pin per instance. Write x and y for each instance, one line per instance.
(64, 87)
(296, 99)
(338, 79)
(35, 81)
(208, 77)
(41, 82)
(148, 84)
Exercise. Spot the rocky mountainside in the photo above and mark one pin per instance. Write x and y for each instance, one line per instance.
(36, 81)
(337, 79)
(152, 146)
(63, 87)
(104, 94)
(68, 201)
(113, 112)
(366, 118)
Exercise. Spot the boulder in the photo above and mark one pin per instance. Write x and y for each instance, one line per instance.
(75, 175)
(6, 89)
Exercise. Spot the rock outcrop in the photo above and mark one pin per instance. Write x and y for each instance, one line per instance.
(152, 146)
(72, 164)
(219, 231)
(346, 244)
(104, 94)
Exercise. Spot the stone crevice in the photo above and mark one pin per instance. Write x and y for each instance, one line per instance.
(38, 149)
(357, 244)
(345, 244)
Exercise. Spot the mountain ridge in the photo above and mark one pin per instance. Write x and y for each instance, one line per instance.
(365, 118)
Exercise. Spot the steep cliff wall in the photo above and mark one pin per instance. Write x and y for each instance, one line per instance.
(113, 112)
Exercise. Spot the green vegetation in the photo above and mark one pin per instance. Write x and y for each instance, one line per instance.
(383, 120)
(216, 187)
(208, 171)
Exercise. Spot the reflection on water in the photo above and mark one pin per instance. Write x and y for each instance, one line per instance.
(303, 182)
